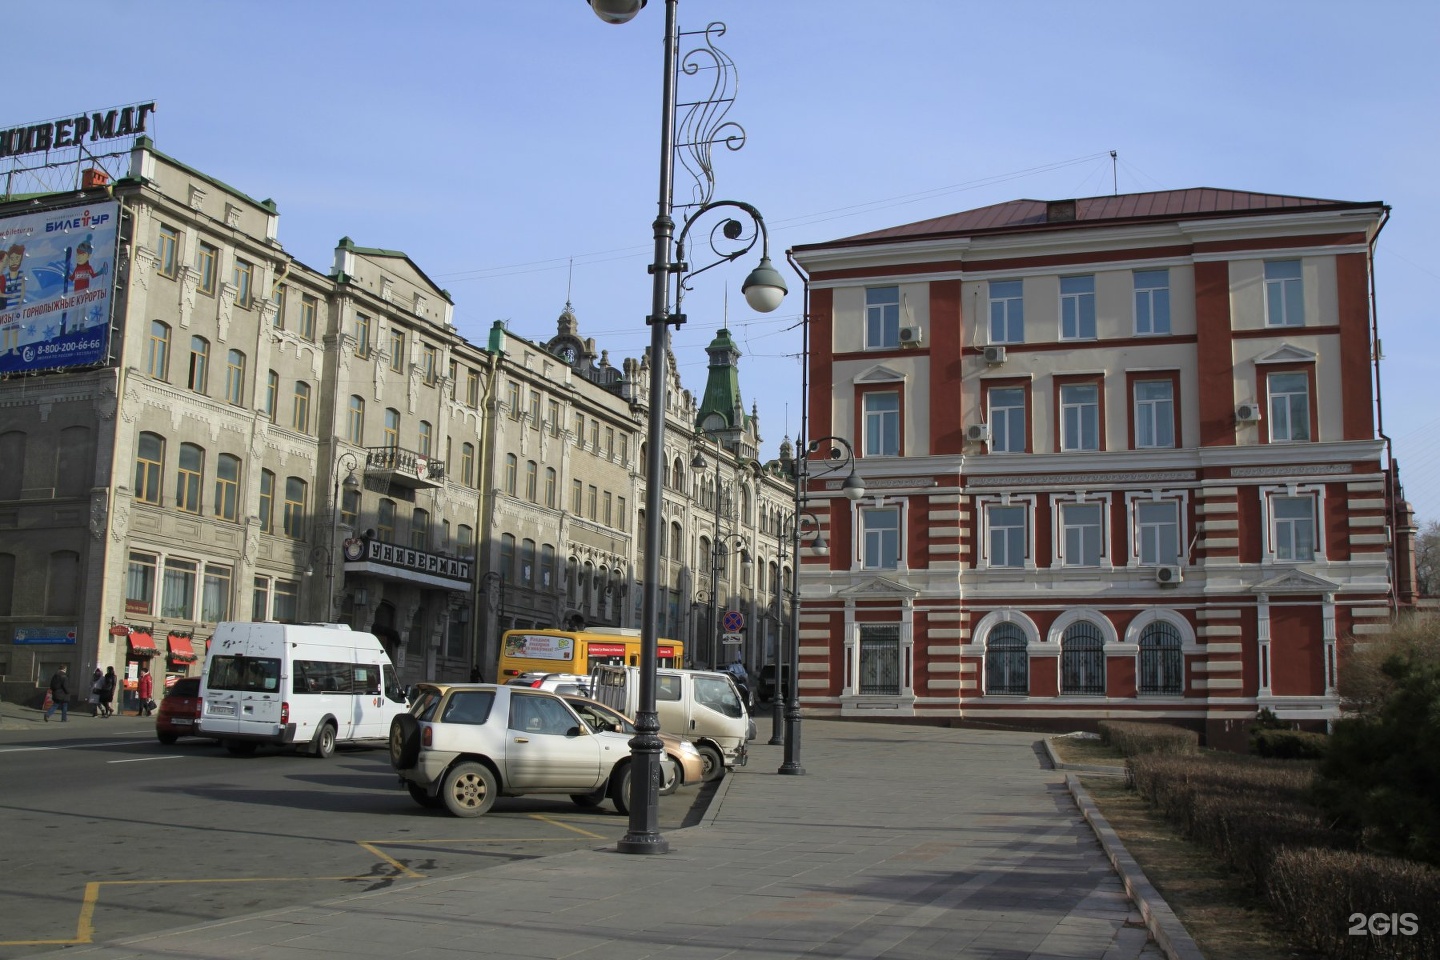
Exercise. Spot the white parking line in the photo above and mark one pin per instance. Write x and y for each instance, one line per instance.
(173, 756)
(78, 746)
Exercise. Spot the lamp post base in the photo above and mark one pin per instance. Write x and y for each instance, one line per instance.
(791, 766)
(642, 844)
(777, 724)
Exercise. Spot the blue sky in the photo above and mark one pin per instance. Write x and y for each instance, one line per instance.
(495, 142)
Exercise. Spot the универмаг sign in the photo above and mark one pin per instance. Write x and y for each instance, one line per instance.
(57, 280)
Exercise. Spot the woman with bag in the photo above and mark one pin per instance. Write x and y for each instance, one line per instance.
(145, 689)
(97, 683)
(107, 692)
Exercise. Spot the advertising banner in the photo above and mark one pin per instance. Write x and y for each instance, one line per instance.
(44, 635)
(57, 281)
(533, 647)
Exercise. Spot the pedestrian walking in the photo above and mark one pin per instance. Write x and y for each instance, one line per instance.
(97, 682)
(107, 692)
(60, 694)
(145, 689)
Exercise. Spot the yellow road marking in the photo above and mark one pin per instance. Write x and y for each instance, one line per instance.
(560, 823)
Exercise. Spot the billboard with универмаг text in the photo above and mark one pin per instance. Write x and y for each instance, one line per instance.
(57, 281)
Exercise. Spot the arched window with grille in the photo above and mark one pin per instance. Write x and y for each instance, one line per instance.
(1162, 664)
(1007, 666)
(1082, 660)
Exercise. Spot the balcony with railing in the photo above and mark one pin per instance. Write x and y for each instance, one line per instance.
(398, 467)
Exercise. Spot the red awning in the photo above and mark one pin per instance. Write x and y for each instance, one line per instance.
(180, 648)
(142, 644)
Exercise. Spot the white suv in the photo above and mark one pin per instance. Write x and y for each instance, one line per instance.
(463, 745)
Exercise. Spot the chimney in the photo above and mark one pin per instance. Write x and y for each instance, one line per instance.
(93, 177)
(1060, 211)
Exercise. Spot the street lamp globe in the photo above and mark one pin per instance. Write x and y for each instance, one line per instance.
(764, 288)
(853, 487)
(616, 11)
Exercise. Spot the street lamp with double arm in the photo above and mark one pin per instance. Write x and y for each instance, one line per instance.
(763, 289)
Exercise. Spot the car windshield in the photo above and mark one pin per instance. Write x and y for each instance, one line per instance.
(601, 717)
(189, 687)
(719, 695)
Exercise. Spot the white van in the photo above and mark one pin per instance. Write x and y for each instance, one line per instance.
(305, 685)
(702, 706)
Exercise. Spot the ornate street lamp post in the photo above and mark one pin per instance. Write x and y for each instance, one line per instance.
(763, 289)
(853, 488)
(347, 463)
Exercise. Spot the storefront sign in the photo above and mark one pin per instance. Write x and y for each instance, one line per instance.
(359, 550)
(74, 131)
(37, 635)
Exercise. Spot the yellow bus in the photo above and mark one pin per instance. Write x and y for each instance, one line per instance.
(564, 651)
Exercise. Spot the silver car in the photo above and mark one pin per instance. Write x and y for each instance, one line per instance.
(463, 745)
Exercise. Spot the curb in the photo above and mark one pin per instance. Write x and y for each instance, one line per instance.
(1167, 930)
(1059, 764)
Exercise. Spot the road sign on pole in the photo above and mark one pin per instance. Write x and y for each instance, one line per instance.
(734, 621)
(732, 638)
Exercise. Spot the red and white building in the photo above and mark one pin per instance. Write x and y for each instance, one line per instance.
(1122, 459)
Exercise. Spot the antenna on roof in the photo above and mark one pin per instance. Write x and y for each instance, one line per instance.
(570, 279)
(1114, 174)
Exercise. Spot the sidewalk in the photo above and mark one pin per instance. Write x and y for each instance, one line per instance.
(902, 842)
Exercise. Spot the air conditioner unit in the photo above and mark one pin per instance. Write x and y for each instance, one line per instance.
(995, 354)
(1248, 413)
(1168, 574)
(978, 433)
(910, 336)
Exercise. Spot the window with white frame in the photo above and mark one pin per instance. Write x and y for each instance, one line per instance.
(1077, 308)
(882, 317)
(1080, 416)
(1082, 533)
(1007, 534)
(1007, 419)
(1293, 526)
(882, 423)
(879, 659)
(1007, 311)
(1284, 294)
(1152, 302)
(1157, 532)
(1289, 395)
(1154, 413)
(881, 537)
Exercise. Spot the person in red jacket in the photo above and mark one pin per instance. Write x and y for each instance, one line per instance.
(145, 689)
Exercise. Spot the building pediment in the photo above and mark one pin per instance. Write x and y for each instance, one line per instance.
(878, 588)
(1296, 581)
(880, 374)
(1287, 353)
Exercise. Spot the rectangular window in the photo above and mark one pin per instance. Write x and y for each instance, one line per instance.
(1007, 311)
(267, 501)
(1294, 527)
(177, 591)
(1157, 527)
(227, 487)
(235, 378)
(199, 365)
(272, 395)
(592, 499)
(882, 317)
(149, 461)
(610, 442)
(882, 538)
(167, 249)
(1152, 302)
(282, 296)
(294, 515)
(472, 388)
(260, 600)
(535, 409)
(140, 584)
(308, 308)
(880, 659)
(577, 497)
(1007, 535)
(349, 507)
(624, 523)
(580, 430)
(430, 358)
(550, 492)
(419, 529)
(385, 521)
(467, 464)
(361, 331)
(882, 424)
(187, 478)
(1082, 534)
(624, 450)
(355, 421)
(300, 418)
(1007, 420)
(1077, 308)
(554, 420)
(244, 279)
(532, 480)
(1284, 294)
(1289, 406)
(595, 436)
(397, 349)
(1080, 416)
(205, 265)
(287, 601)
(1154, 413)
(607, 509)
(215, 594)
(157, 358)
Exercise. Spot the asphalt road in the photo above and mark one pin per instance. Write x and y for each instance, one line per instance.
(108, 833)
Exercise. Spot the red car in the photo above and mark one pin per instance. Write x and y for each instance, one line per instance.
(179, 712)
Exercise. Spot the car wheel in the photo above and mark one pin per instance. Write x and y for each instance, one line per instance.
(166, 738)
(588, 800)
(404, 742)
(620, 789)
(469, 789)
(324, 746)
(422, 796)
(240, 748)
(714, 763)
(669, 775)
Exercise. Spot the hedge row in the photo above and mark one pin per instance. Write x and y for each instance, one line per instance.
(1134, 739)
(1256, 817)
(1289, 744)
